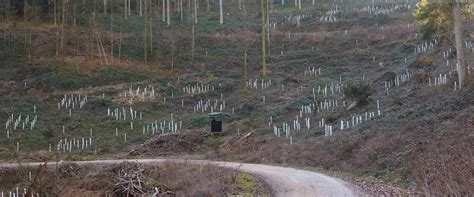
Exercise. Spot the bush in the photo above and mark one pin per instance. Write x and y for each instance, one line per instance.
(360, 92)
(197, 121)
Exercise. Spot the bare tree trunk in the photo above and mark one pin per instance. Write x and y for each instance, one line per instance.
(25, 10)
(129, 8)
(268, 27)
(163, 2)
(145, 41)
(55, 11)
(168, 19)
(264, 53)
(120, 40)
(221, 12)
(459, 43)
(63, 23)
(141, 7)
(181, 12)
(98, 49)
(245, 65)
(150, 22)
(4, 38)
(112, 33)
(74, 14)
(245, 42)
(125, 8)
(105, 7)
(192, 30)
(195, 12)
(172, 55)
(101, 48)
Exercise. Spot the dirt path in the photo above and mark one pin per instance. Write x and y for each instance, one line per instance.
(283, 181)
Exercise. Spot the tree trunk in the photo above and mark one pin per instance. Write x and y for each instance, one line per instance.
(168, 19)
(105, 7)
(140, 7)
(125, 8)
(245, 42)
(163, 2)
(112, 32)
(74, 14)
(145, 35)
(129, 8)
(63, 23)
(172, 55)
(264, 21)
(195, 12)
(193, 31)
(459, 43)
(55, 12)
(245, 65)
(181, 10)
(120, 39)
(25, 10)
(150, 30)
(221, 14)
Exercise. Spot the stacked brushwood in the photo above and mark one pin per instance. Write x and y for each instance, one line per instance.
(130, 181)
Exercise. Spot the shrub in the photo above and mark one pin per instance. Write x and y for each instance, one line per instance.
(197, 120)
(360, 92)
(425, 60)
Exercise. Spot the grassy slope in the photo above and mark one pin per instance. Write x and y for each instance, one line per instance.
(398, 148)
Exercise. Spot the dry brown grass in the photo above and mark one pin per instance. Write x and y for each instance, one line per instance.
(426, 148)
(167, 179)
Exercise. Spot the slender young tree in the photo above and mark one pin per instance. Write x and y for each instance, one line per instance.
(459, 43)
(193, 31)
(122, 20)
(245, 42)
(221, 14)
(63, 24)
(129, 8)
(181, 12)
(140, 3)
(125, 8)
(263, 34)
(111, 31)
(25, 10)
(168, 19)
(195, 12)
(163, 12)
(150, 22)
(105, 7)
(145, 34)
(55, 12)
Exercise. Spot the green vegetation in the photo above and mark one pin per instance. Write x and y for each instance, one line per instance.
(360, 92)
(246, 183)
(399, 147)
